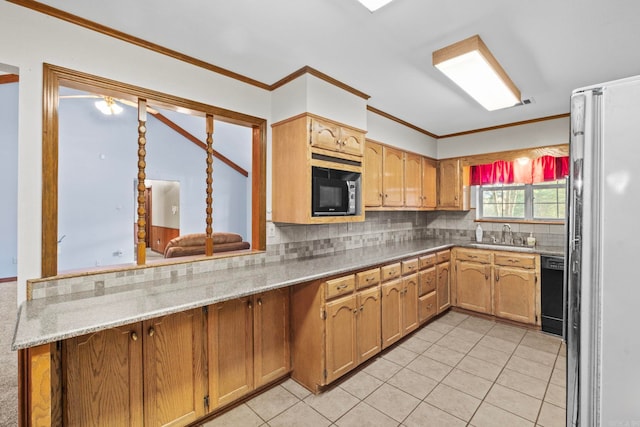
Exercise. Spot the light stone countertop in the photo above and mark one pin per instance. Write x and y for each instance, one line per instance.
(51, 319)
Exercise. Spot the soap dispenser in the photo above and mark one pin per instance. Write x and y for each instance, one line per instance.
(531, 241)
(479, 234)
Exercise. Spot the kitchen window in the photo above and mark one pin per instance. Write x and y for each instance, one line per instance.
(544, 201)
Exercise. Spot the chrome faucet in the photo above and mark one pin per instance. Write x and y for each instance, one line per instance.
(507, 235)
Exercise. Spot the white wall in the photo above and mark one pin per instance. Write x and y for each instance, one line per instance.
(539, 134)
(9, 179)
(308, 93)
(393, 133)
(39, 38)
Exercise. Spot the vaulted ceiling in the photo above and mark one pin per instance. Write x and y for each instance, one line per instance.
(548, 47)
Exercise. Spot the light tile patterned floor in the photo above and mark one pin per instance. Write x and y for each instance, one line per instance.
(457, 371)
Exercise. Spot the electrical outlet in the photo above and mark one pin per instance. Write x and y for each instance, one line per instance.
(271, 229)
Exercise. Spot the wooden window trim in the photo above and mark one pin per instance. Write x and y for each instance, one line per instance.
(54, 76)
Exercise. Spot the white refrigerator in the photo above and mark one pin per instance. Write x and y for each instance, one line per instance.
(602, 277)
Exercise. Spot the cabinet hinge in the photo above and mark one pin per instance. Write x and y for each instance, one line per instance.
(323, 314)
(205, 309)
(58, 345)
(324, 373)
(206, 402)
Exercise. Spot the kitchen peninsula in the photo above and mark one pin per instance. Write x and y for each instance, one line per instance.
(187, 302)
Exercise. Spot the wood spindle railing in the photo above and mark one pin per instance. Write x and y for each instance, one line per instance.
(209, 231)
(142, 152)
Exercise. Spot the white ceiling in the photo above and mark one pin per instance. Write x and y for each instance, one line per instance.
(548, 47)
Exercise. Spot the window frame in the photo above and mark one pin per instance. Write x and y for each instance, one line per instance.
(529, 200)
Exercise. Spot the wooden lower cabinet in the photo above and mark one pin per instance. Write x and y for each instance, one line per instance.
(443, 286)
(331, 336)
(399, 308)
(248, 344)
(230, 351)
(427, 307)
(368, 324)
(102, 378)
(515, 294)
(473, 286)
(341, 342)
(149, 373)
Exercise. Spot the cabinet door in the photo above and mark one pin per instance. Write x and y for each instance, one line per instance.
(429, 189)
(369, 324)
(449, 184)
(102, 377)
(409, 304)
(515, 294)
(391, 312)
(341, 351)
(373, 174)
(271, 336)
(473, 286)
(174, 372)
(412, 180)
(230, 329)
(393, 178)
(352, 141)
(324, 134)
(443, 290)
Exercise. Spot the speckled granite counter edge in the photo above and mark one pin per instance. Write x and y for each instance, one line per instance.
(33, 322)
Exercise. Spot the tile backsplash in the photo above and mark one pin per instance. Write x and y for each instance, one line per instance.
(300, 241)
(295, 241)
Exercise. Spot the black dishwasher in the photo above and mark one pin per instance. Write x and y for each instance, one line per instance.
(552, 293)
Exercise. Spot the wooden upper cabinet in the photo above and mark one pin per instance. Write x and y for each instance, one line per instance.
(372, 186)
(103, 378)
(393, 179)
(453, 185)
(175, 383)
(429, 183)
(412, 180)
(332, 136)
(300, 143)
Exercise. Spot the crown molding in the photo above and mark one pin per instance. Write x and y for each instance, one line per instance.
(506, 125)
(91, 25)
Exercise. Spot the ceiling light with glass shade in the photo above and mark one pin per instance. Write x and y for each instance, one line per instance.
(470, 65)
(108, 106)
(374, 5)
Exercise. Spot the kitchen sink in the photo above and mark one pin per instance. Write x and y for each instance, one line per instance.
(501, 246)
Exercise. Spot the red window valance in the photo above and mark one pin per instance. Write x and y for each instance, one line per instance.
(521, 171)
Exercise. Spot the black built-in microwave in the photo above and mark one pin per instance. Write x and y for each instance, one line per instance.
(334, 192)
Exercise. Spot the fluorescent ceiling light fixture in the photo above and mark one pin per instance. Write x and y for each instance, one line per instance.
(374, 5)
(470, 65)
(108, 106)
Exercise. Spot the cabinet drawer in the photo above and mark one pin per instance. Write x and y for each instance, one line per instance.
(427, 307)
(443, 256)
(512, 259)
(427, 261)
(390, 271)
(474, 255)
(367, 278)
(410, 266)
(340, 286)
(427, 281)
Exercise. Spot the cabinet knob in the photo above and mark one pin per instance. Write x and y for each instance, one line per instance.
(355, 311)
(386, 195)
(151, 331)
(260, 301)
(134, 336)
(249, 304)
